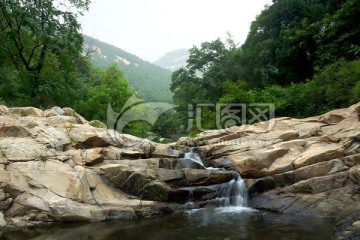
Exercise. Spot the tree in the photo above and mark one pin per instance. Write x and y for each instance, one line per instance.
(42, 36)
(340, 34)
(207, 68)
(281, 46)
(104, 87)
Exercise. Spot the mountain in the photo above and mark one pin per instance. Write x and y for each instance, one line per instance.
(174, 60)
(150, 81)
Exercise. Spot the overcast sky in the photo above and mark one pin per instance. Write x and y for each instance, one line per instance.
(151, 28)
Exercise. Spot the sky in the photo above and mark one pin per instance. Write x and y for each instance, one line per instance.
(151, 28)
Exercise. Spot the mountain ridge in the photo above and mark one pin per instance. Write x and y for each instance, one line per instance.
(173, 60)
(150, 81)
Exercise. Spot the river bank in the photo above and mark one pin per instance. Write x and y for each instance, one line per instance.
(56, 167)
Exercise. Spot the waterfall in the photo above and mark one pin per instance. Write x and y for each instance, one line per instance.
(193, 156)
(230, 194)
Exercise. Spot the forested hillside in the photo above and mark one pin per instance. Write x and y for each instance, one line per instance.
(151, 82)
(301, 55)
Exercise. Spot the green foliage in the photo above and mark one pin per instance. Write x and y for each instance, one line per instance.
(41, 40)
(303, 56)
(149, 81)
(97, 124)
(104, 87)
(340, 34)
(281, 46)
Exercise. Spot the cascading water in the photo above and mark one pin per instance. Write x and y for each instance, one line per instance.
(230, 194)
(193, 156)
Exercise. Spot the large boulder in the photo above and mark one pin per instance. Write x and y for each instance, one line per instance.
(50, 170)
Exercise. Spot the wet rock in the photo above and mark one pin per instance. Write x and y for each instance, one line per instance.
(196, 177)
(156, 191)
(260, 185)
(186, 163)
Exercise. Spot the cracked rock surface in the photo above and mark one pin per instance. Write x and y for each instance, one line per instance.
(295, 166)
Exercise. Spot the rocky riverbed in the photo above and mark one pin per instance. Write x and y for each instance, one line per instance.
(57, 167)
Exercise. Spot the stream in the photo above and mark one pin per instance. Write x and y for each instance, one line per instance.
(225, 216)
(220, 223)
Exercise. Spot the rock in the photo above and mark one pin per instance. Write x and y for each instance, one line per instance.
(320, 169)
(338, 115)
(3, 110)
(354, 174)
(186, 163)
(75, 156)
(252, 164)
(319, 184)
(26, 111)
(29, 206)
(157, 191)
(24, 149)
(45, 174)
(137, 181)
(71, 113)
(55, 111)
(5, 204)
(320, 152)
(13, 130)
(164, 151)
(92, 156)
(56, 167)
(165, 175)
(112, 153)
(57, 177)
(129, 179)
(195, 177)
(115, 153)
(152, 163)
(221, 163)
(260, 185)
(352, 160)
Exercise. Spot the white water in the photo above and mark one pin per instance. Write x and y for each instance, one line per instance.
(231, 194)
(193, 156)
(227, 195)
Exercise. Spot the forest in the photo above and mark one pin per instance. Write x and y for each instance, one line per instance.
(301, 55)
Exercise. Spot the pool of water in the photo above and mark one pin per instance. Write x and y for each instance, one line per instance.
(209, 223)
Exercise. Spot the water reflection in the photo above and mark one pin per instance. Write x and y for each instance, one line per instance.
(209, 223)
